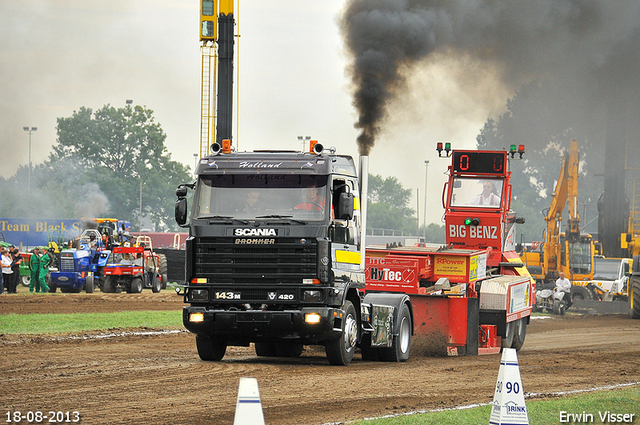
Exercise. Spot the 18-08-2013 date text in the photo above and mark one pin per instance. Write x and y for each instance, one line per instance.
(51, 416)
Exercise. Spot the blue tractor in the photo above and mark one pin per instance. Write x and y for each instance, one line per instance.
(81, 267)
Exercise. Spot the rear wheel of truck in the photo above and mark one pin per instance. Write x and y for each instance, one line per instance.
(288, 349)
(634, 297)
(88, 285)
(399, 352)
(135, 287)
(520, 334)
(107, 286)
(340, 351)
(210, 349)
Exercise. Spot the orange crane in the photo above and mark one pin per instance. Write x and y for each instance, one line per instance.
(571, 251)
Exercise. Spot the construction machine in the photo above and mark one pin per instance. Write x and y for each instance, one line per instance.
(571, 251)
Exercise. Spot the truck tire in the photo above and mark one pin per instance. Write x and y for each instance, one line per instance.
(135, 287)
(265, 349)
(88, 285)
(107, 286)
(520, 334)
(634, 297)
(210, 349)
(580, 293)
(288, 349)
(340, 351)
(510, 332)
(25, 280)
(399, 351)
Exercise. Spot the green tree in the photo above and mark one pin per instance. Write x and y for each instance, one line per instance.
(544, 119)
(104, 159)
(388, 205)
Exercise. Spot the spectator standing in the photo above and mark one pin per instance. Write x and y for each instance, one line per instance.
(6, 268)
(34, 266)
(45, 260)
(15, 266)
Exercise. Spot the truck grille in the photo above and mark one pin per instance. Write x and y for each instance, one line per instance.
(66, 263)
(287, 261)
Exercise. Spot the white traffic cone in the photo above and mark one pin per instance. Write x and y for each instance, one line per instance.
(508, 405)
(248, 406)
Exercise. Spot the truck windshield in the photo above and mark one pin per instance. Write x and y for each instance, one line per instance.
(262, 196)
(483, 193)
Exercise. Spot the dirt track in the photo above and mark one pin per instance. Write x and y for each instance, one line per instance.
(159, 379)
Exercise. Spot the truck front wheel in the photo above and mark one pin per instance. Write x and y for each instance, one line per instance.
(340, 351)
(210, 349)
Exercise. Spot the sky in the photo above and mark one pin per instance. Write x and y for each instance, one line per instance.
(58, 56)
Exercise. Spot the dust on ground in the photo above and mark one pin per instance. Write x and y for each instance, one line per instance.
(135, 376)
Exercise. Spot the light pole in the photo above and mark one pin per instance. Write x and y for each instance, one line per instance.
(30, 130)
(426, 176)
(305, 141)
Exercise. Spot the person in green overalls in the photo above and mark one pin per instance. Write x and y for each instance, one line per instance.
(45, 260)
(34, 267)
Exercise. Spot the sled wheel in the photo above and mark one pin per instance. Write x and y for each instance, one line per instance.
(510, 332)
(520, 334)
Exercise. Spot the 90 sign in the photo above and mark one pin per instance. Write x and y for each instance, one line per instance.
(475, 162)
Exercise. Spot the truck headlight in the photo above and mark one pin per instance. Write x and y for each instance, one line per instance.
(198, 295)
(311, 296)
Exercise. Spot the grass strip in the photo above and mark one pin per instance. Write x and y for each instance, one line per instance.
(540, 412)
(34, 324)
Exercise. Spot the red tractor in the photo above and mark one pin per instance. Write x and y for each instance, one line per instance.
(133, 268)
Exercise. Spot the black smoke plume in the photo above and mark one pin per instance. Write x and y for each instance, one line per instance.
(590, 48)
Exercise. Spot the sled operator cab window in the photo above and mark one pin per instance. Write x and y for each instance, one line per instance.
(259, 196)
(476, 192)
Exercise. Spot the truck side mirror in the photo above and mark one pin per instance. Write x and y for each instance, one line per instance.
(345, 206)
(181, 191)
(181, 211)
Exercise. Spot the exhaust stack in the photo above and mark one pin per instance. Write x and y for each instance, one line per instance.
(364, 188)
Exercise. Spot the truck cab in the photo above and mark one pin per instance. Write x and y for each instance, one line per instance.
(273, 255)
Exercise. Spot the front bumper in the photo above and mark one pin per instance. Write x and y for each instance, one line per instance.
(72, 280)
(251, 326)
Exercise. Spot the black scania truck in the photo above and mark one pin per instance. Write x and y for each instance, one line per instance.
(275, 257)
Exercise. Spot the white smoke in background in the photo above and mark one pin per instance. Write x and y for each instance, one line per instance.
(94, 203)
